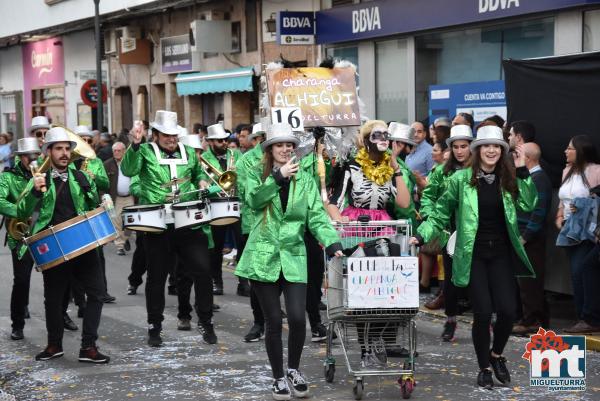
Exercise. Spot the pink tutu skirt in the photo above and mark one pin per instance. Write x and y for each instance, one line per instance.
(367, 232)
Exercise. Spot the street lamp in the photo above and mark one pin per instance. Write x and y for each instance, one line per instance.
(271, 24)
(100, 105)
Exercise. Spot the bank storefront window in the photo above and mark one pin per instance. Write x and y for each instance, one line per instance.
(591, 31)
(476, 54)
(392, 80)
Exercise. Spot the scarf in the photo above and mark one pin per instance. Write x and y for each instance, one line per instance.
(379, 173)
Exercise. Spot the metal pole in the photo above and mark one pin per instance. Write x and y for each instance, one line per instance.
(100, 105)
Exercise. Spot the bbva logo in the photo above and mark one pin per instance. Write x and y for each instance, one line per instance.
(296, 22)
(366, 19)
(494, 5)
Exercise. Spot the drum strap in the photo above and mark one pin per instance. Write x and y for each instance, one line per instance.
(172, 163)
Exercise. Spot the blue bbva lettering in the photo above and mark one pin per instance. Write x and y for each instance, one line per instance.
(366, 19)
(493, 5)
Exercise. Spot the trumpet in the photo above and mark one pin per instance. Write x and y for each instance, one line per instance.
(225, 179)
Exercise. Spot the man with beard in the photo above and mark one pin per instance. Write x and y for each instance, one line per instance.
(521, 132)
(60, 195)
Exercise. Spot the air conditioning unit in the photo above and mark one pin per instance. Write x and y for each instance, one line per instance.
(110, 41)
(129, 31)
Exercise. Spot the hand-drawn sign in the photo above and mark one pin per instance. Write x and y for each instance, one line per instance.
(327, 97)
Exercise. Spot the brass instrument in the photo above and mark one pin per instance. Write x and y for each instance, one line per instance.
(225, 179)
(20, 228)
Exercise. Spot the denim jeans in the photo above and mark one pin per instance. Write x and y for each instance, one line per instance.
(577, 255)
(591, 280)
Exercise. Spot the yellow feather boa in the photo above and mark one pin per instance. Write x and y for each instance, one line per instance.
(379, 173)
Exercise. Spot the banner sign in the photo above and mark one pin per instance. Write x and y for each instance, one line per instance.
(327, 97)
(480, 99)
(176, 54)
(383, 282)
(296, 27)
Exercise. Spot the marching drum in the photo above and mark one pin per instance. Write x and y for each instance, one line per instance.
(72, 238)
(224, 210)
(147, 218)
(191, 214)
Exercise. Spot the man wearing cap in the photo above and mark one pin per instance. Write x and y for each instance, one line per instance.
(60, 195)
(219, 156)
(158, 163)
(12, 183)
(249, 161)
(39, 126)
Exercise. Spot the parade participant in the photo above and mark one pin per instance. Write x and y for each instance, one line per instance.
(251, 160)
(460, 154)
(157, 163)
(60, 195)
(286, 202)
(220, 157)
(12, 184)
(402, 138)
(39, 126)
(488, 253)
(138, 261)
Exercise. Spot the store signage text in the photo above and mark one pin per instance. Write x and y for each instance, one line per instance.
(366, 19)
(43, 61)
(293, 22)
(486, 6)
(296, 27)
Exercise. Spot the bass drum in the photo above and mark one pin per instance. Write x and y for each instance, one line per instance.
(224, 211)
(146, 218)
(190, 214)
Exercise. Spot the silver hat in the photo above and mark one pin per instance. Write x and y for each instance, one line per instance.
(216, 131)
(193, 141)
(83, 130)
(165, 122)
(489, 135)
(57, 134)
(278, 133)
(182, 132)
(260, 128)
(402, 133)
(459, 132)
(39, 122)
(27, 145)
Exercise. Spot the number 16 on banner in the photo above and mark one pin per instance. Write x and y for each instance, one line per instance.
(290, 115)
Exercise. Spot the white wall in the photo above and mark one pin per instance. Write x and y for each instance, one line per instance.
(31, 15)
(11, 69)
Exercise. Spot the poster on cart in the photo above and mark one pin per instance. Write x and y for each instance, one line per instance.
(383, 282)
(326, 96)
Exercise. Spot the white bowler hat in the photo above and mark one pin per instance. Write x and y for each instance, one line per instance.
(193, 141)
(27, 145)
(460, 132)
(57, 134)
(39, 122)
(278, 133)
(442, 122)
(402, 133)
(216, 131)
(489, 135)
(165, 122)
(83, 130)
(182, 132)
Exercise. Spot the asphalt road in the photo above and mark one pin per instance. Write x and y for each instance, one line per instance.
(187, 369)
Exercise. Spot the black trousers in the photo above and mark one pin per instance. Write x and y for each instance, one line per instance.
(138, 262)
(86, 269)
(254, 304)
(185, 283)
(188, 246)
(492, 288)
(535, 309)
(19, 298)
(268, 295)
(316, 269)
(450, 290)
(75, 289)
(216, 253)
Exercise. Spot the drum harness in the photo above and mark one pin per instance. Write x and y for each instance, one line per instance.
(172, 163)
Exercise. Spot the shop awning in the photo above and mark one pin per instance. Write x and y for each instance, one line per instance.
(197, 83)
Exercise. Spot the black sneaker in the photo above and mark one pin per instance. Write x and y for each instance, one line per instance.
(500, 370)
(208, 333)
(217, 289)
(484, 379)
(69, 323)
(215, 307)
(449, 329)
(243, 289)
(132, 290)
(108, 299)
(17, 334)
(319, 334)
(127, 246)
(297, 383)
(255, 334)
(121, 252)
(92, 355)
(154, 338)
(281, 390)
(184, 325)
(51, 352)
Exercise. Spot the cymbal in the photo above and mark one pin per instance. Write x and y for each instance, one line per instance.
(175, 181)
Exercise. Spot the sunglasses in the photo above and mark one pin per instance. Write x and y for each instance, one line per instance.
(39, 134)
(89, 140)
(379, 136)
(219, 140)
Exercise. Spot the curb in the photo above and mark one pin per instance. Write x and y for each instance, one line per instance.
(592, 343)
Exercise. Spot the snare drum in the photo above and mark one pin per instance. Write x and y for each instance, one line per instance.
(147, 218)
(190, 214)
(224, 210)
(71, 238)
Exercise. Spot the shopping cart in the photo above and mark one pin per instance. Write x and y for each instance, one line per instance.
(372, 301)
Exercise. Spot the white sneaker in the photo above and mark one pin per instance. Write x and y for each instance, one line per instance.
(298, 383)
(281, 390)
